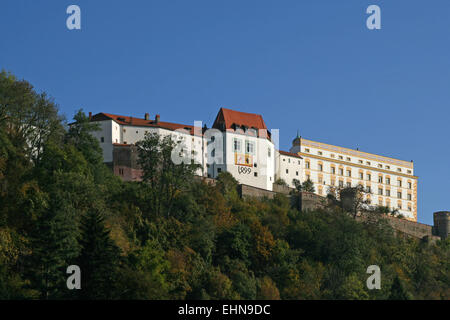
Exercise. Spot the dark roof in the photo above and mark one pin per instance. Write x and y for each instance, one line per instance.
(226, 118)
(140, 122)
(289, 154)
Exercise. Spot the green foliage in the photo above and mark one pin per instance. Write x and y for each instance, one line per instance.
(308, 186)
(98, 259)
(173, 236)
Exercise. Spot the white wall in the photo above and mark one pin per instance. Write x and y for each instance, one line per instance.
(288, 168)
(261, 176)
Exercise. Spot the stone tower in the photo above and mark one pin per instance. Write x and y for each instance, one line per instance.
(442, 223)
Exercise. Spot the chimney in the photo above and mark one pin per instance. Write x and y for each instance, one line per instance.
(90, 116)
(157, 118)
(147, 116)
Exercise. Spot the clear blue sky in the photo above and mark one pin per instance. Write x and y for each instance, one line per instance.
(307, 65)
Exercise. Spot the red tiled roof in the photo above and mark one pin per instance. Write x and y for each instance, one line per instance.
(290, 154)
(229, 117)
(139, 122)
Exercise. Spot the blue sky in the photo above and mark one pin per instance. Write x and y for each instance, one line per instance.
(311, 66)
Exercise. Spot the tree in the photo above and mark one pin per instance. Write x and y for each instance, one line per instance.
(165, 179)
(398, 291)
(354, 200)
(99, 258)
(30, 119)
(281, 182)
(80, 136)
(53, 248)
(308, 186)
(297, 185)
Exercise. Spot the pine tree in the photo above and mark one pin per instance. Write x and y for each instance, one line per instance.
(54, 248)
(99, 258)
(398, 291)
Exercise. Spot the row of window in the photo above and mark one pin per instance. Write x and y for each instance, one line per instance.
(387, 167)
(287, 172)
(388, 204)
(289, 160)
(361, 175)
(367, 189)
(249, 146)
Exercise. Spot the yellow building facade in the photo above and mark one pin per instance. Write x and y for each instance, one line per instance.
(388, 182)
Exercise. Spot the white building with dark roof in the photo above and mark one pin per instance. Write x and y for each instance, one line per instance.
(241, 144)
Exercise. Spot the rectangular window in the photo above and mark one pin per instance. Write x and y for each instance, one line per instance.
(388, 180)
(369, 177)
(237, 145)
(349, 173)
(296, 173)
(361, 175)
(341, 184)
(102, 139)
(380, 192)
(349, 184)
(250, 147)
(388, 193)
(409, 185)
(287, 170)
(399, 195)
(320, 167)
(368, 189)
(399, 183)
(307, 165)
(409, 196)
(333, 170)
(341, 171)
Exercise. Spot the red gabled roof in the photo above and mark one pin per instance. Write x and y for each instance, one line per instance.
(139, 122)
(290, 154)
(226, 118)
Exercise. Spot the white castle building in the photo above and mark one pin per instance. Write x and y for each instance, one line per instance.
(241, 144)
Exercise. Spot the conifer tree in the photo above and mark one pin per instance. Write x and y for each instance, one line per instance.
(99, 258)
(398, 291)
(54, 247)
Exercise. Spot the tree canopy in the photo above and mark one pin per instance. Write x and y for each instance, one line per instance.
(172, 236)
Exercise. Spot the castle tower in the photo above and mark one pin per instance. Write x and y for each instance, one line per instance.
(442, 223)
(296, 144)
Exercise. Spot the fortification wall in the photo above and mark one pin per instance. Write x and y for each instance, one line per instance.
(413, 229)
(310, 201)
(246, 191)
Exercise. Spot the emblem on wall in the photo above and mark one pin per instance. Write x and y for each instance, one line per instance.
(243, 160)
(244, 170)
